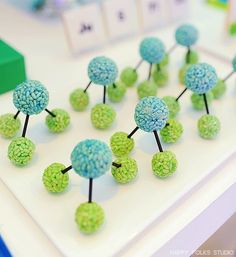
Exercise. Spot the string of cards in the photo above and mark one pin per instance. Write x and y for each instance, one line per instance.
(91, 25)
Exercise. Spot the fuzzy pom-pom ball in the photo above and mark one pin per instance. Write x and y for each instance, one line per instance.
(234, 64)
(186, 35)
(200, 78)
(79, 99)
(173, 106)
(182, 73)
(60, 122)
(208, 126)
(151, 113)
(120, 144)
(127, 172)
(146, 88)
(129, 76)
(21, 151)
(172, 131)
(54, 180)
(89, 217)
(152, 50)
(30, 97)
(91, 158)
(198, 100)
(164, 164)
(219, 89)
(116, 91)
(9, 126)
(160, 77)
(102, 71)
(102, 116)
(191, 57)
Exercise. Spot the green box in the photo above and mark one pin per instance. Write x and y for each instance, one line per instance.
(12, 68)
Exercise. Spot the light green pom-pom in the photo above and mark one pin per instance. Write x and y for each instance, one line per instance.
(129, 76)
(219, 89)
(173, 106)
(164, 62)
(193, 58)
(147, 88)
(208, 126)
(116, 91)
(182, 73)
(164, 164)
(120, 144)
(127, 172)
(79, 99)
(59, 123)
(54, 180)
(9, 126)
(160, 77)
(172, 131)
(21, 151)
(89, 217)
(102, 116)
(198, 100)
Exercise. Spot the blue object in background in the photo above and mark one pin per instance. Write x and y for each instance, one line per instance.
(4, 251)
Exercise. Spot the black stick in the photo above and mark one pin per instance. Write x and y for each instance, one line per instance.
(114, 85)
(158, 141)
(66, 169)
(133, 132)
(228, 76)
(206, 104)
(90, 190)
(150, 72)
(117, 165)
(188, 55)
(172, 49)
(16, 115)
(25, 125)
(90, 82)
(177, 99)
(138, 65)
(104, 94)
(158, 67)
(50, 113)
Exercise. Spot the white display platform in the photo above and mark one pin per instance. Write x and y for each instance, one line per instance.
(129, 209)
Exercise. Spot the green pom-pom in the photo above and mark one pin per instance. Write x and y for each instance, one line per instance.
(54, 180)
(21, 151)
(129, 76)
(198, 100)
(192, 57)
(89, 217)
(164, 62)
(219, 89)
(127, 172)
(173, 106)
(182, 73)
(147, 88)
(160, 77)
(79, 99)
(9, 126)
(208, 126)
(120, 144)
(116, 91)
(102, 116)
(164, 164)
(59, 123)
(172, 131)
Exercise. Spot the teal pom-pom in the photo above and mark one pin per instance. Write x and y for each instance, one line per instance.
(186, 35)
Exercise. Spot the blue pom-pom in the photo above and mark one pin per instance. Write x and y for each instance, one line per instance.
(91, 158)
(102, 71)
(151, 113)
(30, 97)
(186, 35)
(200, 78)
(152, 50)
(234, 64)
